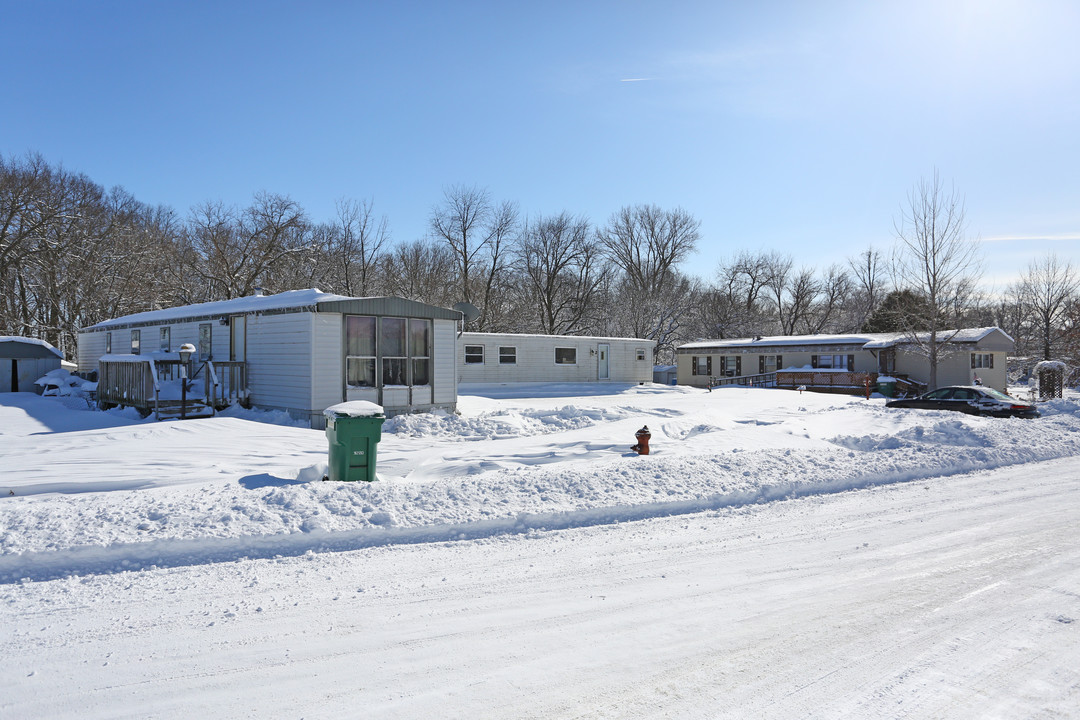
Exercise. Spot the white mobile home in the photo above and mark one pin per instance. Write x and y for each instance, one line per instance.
(507, 357)
(23, 360)
(301, 351)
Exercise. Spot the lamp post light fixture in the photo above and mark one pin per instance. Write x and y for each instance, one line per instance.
(186, 350)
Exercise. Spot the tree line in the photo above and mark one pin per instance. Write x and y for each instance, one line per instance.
(73, 253)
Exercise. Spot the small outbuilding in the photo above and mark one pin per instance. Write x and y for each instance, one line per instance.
(23, 360)
(509, 357)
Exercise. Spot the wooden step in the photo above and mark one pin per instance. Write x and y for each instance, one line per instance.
(170, 409)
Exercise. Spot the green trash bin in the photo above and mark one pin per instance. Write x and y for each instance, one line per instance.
(886, 386)
(354, 430)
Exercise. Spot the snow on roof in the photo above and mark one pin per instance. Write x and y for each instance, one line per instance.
(782, 340)
(868, 341)
(236, 306)
(560, 337)
(965, 335)
(31, 341)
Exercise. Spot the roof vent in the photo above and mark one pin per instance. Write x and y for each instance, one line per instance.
(258, 292)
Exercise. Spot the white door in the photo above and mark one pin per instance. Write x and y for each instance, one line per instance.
(603, 371)
(238, 338)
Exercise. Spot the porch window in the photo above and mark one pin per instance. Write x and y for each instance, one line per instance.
(166, 343)
(393, 342)
(420, 350)
(507, 355)
(565, 356)
(701, 365)
(474, 354)
(360, 351)
(136, 340)
(108, 343)
(640, 353)
(982, 360)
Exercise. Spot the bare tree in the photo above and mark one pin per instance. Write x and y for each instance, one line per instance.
(421, 270)
(1046, 290)
(237, 252)
(868, 272)
(358, 240)
(478, 234)
(562, 273)
(934, 258)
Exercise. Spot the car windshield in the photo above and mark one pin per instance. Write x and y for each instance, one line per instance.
(997, 394)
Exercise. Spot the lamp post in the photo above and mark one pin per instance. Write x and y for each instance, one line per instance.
(185, 357)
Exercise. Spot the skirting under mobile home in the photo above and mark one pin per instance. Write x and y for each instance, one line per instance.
(302, 351)
(508, 358)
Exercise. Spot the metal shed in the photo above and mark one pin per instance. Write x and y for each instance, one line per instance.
(23, 360)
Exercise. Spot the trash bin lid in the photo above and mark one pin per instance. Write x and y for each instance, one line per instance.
(354, 408)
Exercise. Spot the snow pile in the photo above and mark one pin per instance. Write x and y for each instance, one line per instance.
(89, 491)
(503, 424)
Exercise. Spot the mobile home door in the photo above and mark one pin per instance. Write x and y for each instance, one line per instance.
(603, 369)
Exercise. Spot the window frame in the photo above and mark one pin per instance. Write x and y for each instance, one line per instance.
(572, 350)
(206, 351)
(471, 351)
(108, 343)
(353, 360)
(136, 342)
(503, 355)
(640, 354)
(165, 339)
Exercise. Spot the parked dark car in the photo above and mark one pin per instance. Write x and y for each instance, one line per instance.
(974, 400)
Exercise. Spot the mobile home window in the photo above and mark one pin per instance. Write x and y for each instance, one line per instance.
(701, 365)
(393, 344)
(768, 363)
(420, 351)
(135, 341)
(640, 353)
(166, 342)
(565, 356)
(982, 360)
(507, 355)
(836, 362)
(474, 354)
(730, 365)
(205, 335)
(360, 351)
(108, 343)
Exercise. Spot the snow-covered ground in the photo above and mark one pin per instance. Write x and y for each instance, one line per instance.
(777, 555)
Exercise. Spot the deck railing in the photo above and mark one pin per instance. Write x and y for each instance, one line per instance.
(137, 381)
(766, 380)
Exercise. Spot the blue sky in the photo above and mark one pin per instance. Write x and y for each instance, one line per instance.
(798, 127)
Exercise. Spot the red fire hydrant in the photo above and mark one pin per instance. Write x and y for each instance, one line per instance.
(642, 435)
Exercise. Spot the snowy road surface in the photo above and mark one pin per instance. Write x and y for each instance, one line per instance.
(924, 593)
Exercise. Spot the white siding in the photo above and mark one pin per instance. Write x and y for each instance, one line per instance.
(91, 347)
(444, 374)
(536, 359)
(279, 360)
(327, 361)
